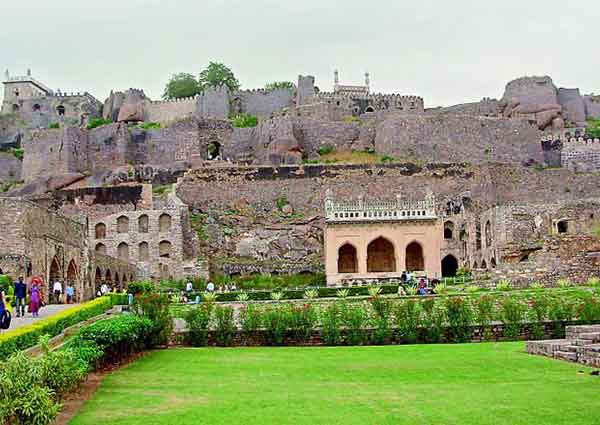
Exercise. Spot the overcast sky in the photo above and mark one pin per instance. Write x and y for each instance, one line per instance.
(448, 51)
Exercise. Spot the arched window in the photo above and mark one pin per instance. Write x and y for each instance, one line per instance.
(347, 260)
(122, 224)
(143, 224)
(123, 251)
(100, 248)
(108, 277)
(143, 251)
(15, 108)
(369, 109)
(493, 262)
(60, 110)
(214, 150)
(98, 278)
(100, 231)
(478, 236)
(414, 257)
(381, 256)
(164, 249)
(448, 230)
(449, 266)
(484, 265)
(164, 223)
(488, 234)
(36, 107)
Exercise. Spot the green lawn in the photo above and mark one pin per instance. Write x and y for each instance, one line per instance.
(418, 384)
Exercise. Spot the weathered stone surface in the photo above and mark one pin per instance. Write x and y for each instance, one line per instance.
(10, 167)
(131, 112)
(454, 138)
(573, 108)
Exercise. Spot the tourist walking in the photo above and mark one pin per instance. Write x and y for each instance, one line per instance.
(70, 292)
(57, 290)
(20, 297)
(35, 299)
(210, 287)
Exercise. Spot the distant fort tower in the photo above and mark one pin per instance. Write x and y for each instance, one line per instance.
(40, 106)
(346, 90)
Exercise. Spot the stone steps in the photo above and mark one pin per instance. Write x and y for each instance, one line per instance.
(582, 345)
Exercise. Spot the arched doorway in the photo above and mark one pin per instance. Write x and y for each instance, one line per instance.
(97, 280)
(347, 259)
(381, 256)
(449, 266)
(414, 257)
(108, 278)
(72, 273)
(55, 274)
(448, 230)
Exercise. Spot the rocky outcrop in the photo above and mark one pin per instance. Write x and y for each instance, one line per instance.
(573, 107)
(10, 167)
(592, 106)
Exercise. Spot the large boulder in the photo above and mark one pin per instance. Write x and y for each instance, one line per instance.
(534, 98)
(592, 106)
(573, 108)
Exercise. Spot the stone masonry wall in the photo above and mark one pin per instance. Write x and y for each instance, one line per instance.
(170, 110)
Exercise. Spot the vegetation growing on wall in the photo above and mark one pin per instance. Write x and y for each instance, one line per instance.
(98, 122)
(181, 85)
(18, 153)
(244, 121)
(217, 74)
(593, 128)
(275, 85)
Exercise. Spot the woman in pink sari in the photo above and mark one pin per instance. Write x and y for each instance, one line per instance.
(35, 297)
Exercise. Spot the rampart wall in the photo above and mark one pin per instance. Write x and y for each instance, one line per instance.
(170, 110)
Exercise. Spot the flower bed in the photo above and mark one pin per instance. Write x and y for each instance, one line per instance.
(28, 336)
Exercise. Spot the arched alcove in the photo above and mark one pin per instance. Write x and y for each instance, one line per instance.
(347, 259)
(381, 256)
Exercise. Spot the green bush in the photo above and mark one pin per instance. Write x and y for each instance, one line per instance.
(276, 324)
(97, 122)
(485, 314)
(325, 150)
(155, 307)
(330, 324)
(251, 319)
(460, 319)
(18, 153)
(301, 321)
(387, 159)
(277, 85)
(593, 128)
(588, 309)
(433, 320)
(407, 316)
(244, 121)
(538, 312)
(198, 321)
(513, 316)
(143, 287)
(354, 320)
(54, 125)
(150, 126)
(28, 336)
(224, 326)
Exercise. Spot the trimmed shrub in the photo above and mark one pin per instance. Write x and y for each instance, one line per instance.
(28, 336)
(224, 326)
(537, 314)
(275, 321)
(155, 307)
(433, 321)
(407, 320)
(198, 321)
(485, 314)
(513, 315)
(354, 320)
(330, 324)
(460, 319)
(137, 288)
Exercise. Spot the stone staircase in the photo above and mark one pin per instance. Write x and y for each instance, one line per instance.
(581, 345)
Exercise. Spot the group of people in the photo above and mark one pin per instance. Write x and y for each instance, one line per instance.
(57, 292)
(422, 286)
(210, 287)
(23, 298)
(104, 289)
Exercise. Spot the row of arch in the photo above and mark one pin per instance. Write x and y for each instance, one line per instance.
(449, 233)
(164, 250)
(111, 278)
(143, 221)
(381, 257)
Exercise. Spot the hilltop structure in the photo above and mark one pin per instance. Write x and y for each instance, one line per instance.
(178, 189)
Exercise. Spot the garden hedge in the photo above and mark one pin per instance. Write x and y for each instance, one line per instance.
(28, 336)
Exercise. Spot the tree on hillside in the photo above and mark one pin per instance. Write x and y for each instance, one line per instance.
(280, 85)
(181, 85)
(217, 74)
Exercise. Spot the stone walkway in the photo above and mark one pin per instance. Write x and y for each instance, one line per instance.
(45, 312)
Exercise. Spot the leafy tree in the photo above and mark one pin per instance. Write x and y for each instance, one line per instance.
(181, 85)
(217, 74)
(280, 85)
(593, 128)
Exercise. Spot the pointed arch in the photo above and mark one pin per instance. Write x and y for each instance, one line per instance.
(164, 223)
(488, 234)
(449, 266)
(347, 259)
(164, 249)
(415, 261)
(100, 231)
(143, 251)
(55, 272)
(108, 277)
(72, 272)
(143, 224)
(448, 230)
(98, 278)
(100, 248)
(123, 251)
(381, 256)
(123, 224)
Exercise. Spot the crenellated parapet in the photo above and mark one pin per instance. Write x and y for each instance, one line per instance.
(191, 99)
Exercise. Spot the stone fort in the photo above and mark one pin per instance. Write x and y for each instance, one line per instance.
(507, 187)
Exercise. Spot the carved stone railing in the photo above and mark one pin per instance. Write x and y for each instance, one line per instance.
(361, 210)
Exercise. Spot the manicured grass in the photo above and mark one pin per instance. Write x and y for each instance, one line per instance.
(419, 384)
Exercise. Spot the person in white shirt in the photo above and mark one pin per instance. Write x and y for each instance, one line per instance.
(57, 289)
(104, 289)
(189, 287)
(210, 287)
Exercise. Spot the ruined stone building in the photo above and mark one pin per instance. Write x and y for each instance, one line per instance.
(37, 242)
